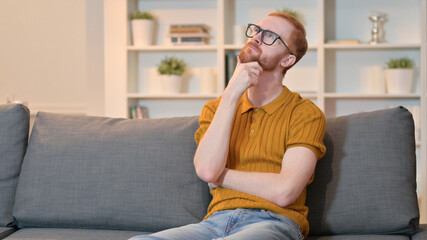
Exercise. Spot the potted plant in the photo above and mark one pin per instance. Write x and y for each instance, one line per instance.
(399, 75)
(291, 12)
(171, 71)
(142, 28)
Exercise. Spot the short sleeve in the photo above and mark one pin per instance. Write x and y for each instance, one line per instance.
(307, 128)
(205, 119)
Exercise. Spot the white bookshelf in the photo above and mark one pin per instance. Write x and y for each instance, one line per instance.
(330, 74)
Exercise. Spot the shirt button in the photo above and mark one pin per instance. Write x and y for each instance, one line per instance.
(256, 109)
(252, 131)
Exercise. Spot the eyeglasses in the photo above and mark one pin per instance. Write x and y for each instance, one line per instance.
(267, 37)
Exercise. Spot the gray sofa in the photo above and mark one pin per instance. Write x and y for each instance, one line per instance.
(82, 177)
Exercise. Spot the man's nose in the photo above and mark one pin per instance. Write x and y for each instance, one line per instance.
(257, 38)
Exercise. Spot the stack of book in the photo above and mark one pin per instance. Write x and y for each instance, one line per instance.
(230, 65)
(189, 34)
(138, 112)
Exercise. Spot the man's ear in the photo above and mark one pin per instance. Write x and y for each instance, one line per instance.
(288, 61)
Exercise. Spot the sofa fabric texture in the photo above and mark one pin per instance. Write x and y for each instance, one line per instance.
(366, 182)
(361, 237)
(71, 234)
(14, 125)
(104, 173)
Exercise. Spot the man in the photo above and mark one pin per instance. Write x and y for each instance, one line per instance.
(258, 144)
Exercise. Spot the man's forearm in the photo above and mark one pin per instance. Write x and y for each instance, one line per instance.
(212, 152)
(282, 188)
(269, 186)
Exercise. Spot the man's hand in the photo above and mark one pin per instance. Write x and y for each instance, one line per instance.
(213, 185)
(245, 75)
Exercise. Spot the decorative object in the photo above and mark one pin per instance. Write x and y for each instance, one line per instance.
(373, 80)
(399, 75)
(142, 28)
(171, 70)
(377, 30)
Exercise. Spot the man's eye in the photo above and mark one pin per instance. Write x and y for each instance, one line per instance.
(270, 35)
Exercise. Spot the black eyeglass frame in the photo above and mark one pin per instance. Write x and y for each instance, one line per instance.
(262, 36)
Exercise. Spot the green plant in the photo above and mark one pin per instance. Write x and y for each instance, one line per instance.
(289, 11)
(142, 15)
(172, 66)
(400, 63)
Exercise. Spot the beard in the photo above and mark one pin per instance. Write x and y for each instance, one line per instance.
(252, 53)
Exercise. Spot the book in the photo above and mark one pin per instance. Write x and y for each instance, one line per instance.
(230, 66)
(189, 27)
(344, 41)
(138, 112)
(189, 38)
(187, 30)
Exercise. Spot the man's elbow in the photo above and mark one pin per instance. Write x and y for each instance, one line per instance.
(207, 175)
(284, 197)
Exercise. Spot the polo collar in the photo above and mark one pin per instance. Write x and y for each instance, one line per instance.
(271, 107)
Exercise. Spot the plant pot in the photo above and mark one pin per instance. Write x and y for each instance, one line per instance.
(142, 32)
(399, 81)
(171, 83)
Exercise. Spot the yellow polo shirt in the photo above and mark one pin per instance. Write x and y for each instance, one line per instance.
(259, 138)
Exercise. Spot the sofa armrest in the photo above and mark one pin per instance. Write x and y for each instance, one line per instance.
(421, 233)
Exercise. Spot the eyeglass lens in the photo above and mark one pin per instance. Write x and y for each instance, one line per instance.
(267, 37)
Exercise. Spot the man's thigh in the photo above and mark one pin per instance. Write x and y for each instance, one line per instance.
(267, 226)
(188, 232)
(268, 230)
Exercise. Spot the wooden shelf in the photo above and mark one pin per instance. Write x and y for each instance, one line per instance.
(365, 46)
(340, 67)
(371, 96)
(172, 48)
(170, 96)
(239, 47)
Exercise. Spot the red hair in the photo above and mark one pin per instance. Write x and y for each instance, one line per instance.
(298, 42)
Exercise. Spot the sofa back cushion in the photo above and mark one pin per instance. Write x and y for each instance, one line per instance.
(366, 182)
(14, 125)
(95, 172)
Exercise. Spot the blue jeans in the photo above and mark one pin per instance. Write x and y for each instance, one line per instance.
(238, 224)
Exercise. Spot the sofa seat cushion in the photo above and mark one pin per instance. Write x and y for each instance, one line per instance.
(71, 234)
(366, 182)
(105, 173)
(6, 231)
(421, 233)
(361, 237)
(14, 125)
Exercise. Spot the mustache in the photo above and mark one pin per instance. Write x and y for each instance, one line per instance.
(254, 45)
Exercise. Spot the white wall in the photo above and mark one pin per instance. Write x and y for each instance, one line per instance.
(51, 54)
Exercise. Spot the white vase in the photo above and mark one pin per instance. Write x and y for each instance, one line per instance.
(399, 81)
(171, 83)
(207, 80)
(142, 32)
